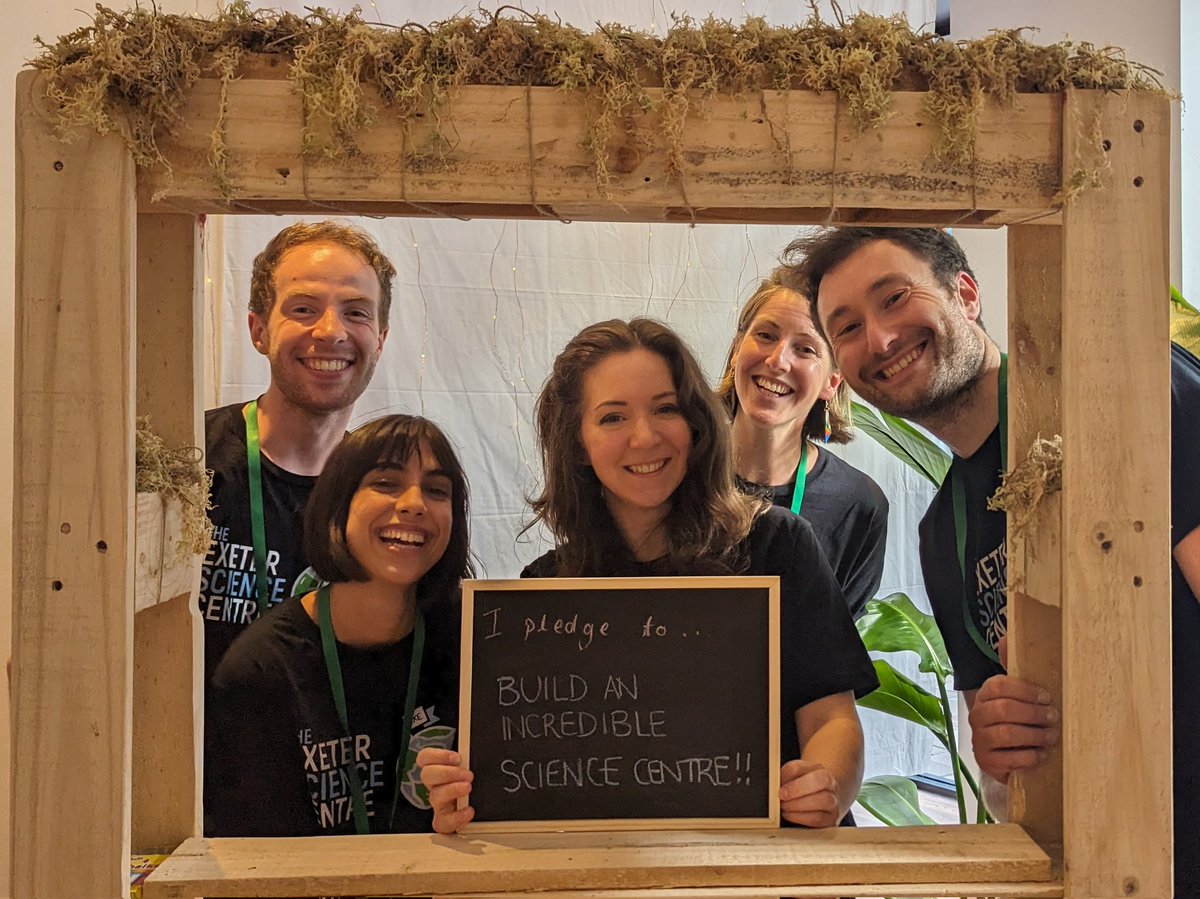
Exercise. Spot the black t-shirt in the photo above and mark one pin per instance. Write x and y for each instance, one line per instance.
(274, 764)
(988, 569)
(848, 513)
(820, 652)
(228, 598)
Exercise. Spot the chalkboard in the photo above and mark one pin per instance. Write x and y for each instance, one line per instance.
(610, 703)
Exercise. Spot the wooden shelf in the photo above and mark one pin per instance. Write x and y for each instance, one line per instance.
(966, 860)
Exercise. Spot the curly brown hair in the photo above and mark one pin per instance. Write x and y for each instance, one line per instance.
(262, 275)
(709, 517)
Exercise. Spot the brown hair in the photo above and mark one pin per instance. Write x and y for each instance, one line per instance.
(262, 275)
(709, 516)
(806, 260)
(841, 428)
(392, 438)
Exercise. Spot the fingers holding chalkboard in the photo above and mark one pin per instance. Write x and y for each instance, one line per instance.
(808, 794)
(447, 781)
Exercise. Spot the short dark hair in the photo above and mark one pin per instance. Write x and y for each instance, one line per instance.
(393, 438)
(356, 240)
(841, 426)
(807, 259)
(709, 516)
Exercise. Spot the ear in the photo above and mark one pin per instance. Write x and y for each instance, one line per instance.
(258, 332)
(382, 338)
(830, 389)
(968, 296)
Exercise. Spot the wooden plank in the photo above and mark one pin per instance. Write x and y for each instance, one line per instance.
(167, 637)
(73, 509)
(421, 865)
(526, 149)
(1116, 603)
(1035, 291)
(795, 891)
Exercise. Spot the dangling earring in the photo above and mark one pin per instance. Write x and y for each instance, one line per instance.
(828, 427)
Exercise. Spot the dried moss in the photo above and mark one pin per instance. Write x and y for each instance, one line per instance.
(130, 72)
(176, 474)
(1022, 489)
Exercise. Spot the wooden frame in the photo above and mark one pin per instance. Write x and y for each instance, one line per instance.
(105, 703)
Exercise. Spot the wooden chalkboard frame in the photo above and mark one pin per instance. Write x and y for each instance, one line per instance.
(770, 586)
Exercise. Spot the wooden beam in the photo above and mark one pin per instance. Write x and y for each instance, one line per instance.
(792, 891)
(73, 509)
(422, 865)
(1035, 292)
(523, 151)
(1116, 600)
(167, 637)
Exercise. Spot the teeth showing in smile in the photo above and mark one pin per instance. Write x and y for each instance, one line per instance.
(773, 386)
(648, 467)
(326, 364)
(403, 536)
(902, 363)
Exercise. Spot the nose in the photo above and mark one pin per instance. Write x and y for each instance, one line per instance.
(779, 356)
(411, 501)
(880, 336)
(329, 326)
(644, 434)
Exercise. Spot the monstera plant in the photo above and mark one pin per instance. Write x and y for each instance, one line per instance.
(894, 624)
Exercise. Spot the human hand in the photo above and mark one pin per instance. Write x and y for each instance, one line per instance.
(447, 781)
(1013, 726)
(808, 794)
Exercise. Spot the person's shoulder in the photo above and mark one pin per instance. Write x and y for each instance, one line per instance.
(224, 426)
(268, 648)
(545, 565)
(778, 533)
(856, 484)
(1185, 369)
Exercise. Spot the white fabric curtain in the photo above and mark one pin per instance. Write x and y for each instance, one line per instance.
(481, 308)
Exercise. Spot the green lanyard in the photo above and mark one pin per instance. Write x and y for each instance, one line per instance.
(333, 668)
(960, 517)
(258, 528)
(801, 478)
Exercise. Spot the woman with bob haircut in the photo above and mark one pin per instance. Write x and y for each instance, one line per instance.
(787, 400)
(322, 704)
(639, 482)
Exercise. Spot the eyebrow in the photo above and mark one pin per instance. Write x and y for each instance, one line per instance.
(882, 281)
(655, 398)
(400, 466)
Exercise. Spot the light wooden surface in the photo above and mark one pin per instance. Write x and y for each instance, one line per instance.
(422, 865)
(1116, 603)
(1035, 557)
(514, 152)
(860, 891)
(73, 510)
(167, 699)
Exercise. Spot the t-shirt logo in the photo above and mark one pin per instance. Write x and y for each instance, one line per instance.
(991, 594)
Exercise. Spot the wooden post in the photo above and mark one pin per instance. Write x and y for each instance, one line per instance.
(73, 509)
(1035, 557)
(1116, 598)
(167, 702)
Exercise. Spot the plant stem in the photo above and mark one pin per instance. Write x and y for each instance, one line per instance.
(955, 761)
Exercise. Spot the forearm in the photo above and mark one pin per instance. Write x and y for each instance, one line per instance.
(837, 745)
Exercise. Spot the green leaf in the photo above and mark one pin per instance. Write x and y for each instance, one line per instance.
(893, 800)
(1180, 304)
(903, 441)
(894, 624)
(906, 699)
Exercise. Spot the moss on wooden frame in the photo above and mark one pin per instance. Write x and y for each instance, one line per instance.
(131, 72)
